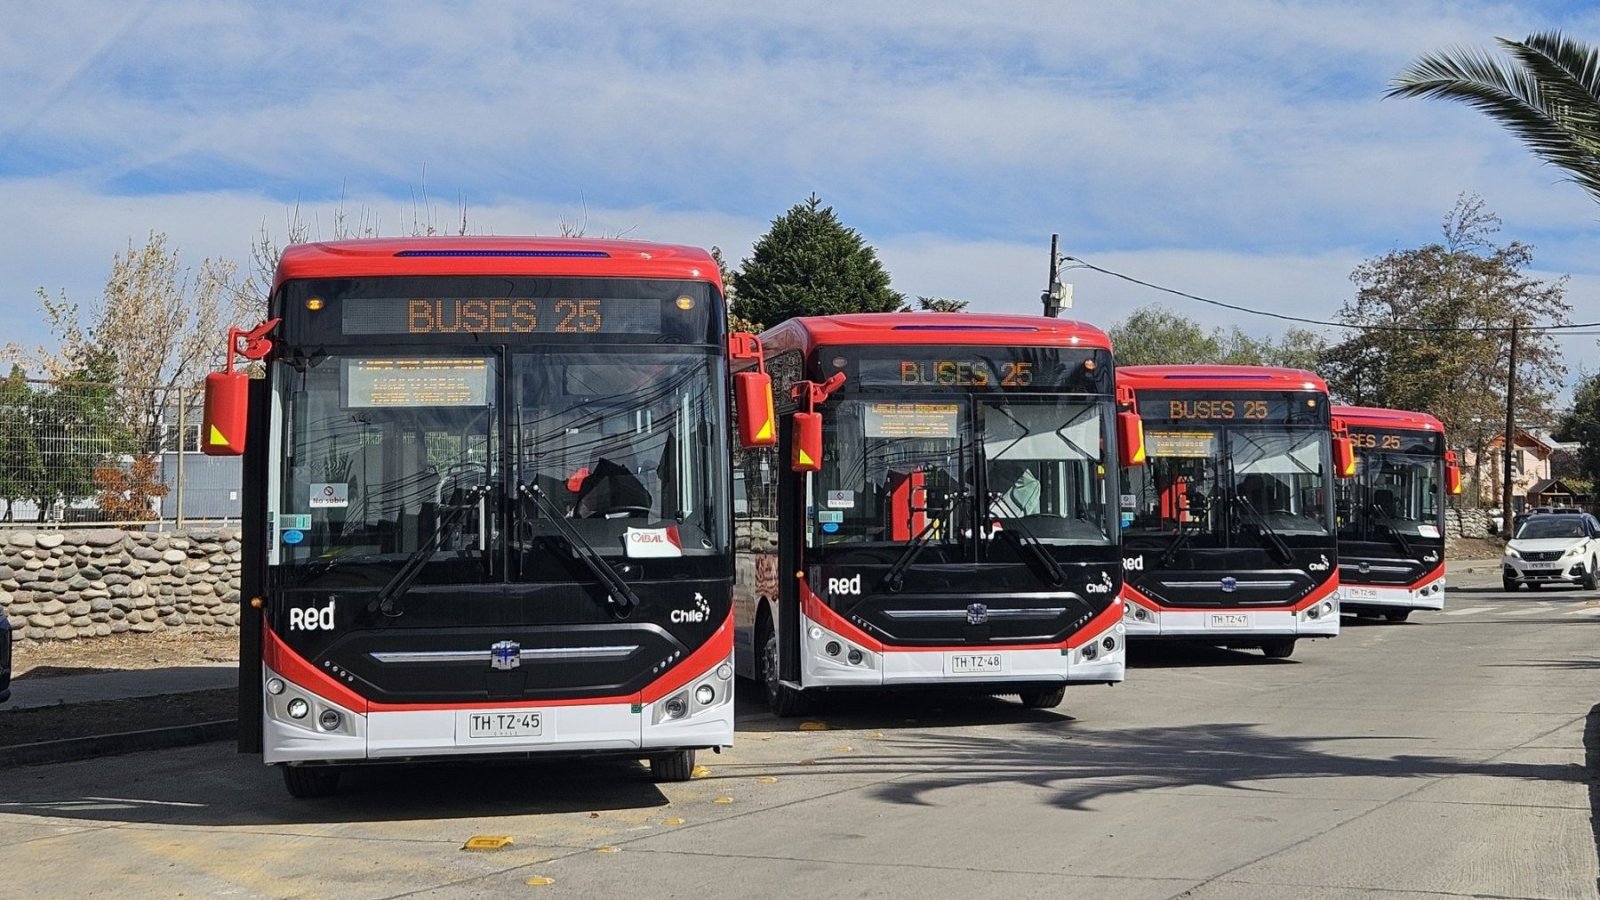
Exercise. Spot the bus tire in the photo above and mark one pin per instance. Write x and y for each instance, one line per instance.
(785, 702)
(1043, 697)
(1397, 615)
(1281, 649)
(675, 766)
(310, 782)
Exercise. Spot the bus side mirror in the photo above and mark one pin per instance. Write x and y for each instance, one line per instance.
(1452, 479)
(227, 409)
(1344, 457)
(805, 452)
(752, 400)
(1130, 439)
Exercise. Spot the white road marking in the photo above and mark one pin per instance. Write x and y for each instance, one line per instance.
(1469, 610)
(1584, 611)
(1526, 611)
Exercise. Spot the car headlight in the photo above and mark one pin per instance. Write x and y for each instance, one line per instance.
(1573, 551)
(1512, 554)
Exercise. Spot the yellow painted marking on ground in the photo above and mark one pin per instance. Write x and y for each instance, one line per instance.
(766, 779)
(843, 748)
(608, 849)
(875, 736)
(699, 772)
(672, 821)
(813, 726)
(541, 880)
(723, 800)
(487, 842)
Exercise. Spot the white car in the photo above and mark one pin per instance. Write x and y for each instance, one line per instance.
(1553, 549)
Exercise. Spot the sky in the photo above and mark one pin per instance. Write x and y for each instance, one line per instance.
(1238, 150)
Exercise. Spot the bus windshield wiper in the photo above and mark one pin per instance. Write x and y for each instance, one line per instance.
(895, 577)
(618, 593)
(401, 581)
(1267, 534)
(1399, 539)
(1021, 536)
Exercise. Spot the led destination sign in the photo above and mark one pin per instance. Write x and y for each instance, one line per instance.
(502, 315)
(980, 369)
(1399, 442)
(1199, 407)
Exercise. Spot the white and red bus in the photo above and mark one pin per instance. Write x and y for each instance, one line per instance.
(939, 510)
(1391, 514)
(1227, 530)
(487, 505)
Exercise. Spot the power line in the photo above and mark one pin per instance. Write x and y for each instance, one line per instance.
(1423, 329)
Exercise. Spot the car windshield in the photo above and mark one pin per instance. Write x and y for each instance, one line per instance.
(1545, 527)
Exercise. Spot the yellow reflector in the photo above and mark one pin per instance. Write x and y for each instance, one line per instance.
(487, 842)
(216, 438)
(314, 304)
(686, 303)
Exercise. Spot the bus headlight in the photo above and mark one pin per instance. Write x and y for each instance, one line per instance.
(298, 708)
(705, 694)
(274, 686)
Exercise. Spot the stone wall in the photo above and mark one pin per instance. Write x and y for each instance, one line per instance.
(61, 585)
(1471, 523)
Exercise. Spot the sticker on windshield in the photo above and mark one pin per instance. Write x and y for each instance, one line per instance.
(329, 495)
(1130, 501)
(826, 516)
(1428, 531)
(300, 521)
(841, 499)
(293, 536)
(652, 543)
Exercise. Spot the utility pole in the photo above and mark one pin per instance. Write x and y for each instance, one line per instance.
(1052, 287)
(1510, 435)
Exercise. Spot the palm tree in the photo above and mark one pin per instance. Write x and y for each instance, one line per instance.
(1548, 96)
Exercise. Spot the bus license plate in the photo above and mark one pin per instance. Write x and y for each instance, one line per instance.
(1230, 620)
(971, 663)
(516, 724)
(1359, 593)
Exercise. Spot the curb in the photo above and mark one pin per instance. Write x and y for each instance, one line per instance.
(69, 749)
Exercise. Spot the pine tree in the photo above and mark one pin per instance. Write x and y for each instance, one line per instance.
(810, 264)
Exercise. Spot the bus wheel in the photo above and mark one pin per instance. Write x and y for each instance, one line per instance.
(675, 766)
(310, 782)
(1278, 649)
(1043, 698)
(1397, 615)
(784, 701)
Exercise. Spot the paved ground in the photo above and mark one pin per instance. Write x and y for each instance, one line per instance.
(1442, 757)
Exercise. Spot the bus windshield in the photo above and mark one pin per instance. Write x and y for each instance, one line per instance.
(1228, 486)
(1392, 492)
(953, 468)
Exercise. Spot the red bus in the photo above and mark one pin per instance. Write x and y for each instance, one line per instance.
(1391, 514)
(1227, 529)
(937, 511)
(486, 505)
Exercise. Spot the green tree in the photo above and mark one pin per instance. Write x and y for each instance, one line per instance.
(1155, 335)
(1435, 330)
(810, 264)
(940, 304)
(19, 442)
(1581, 423)
(79, 425)
(1548, 95)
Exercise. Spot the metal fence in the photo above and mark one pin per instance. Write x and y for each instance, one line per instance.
(80, 453)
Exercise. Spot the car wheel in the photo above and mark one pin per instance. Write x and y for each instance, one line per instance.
(1591, 578)
(1278, 649)
(784, 701)
(1509, 584)
(310, 782)
(675, 766)
(1043, 698)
